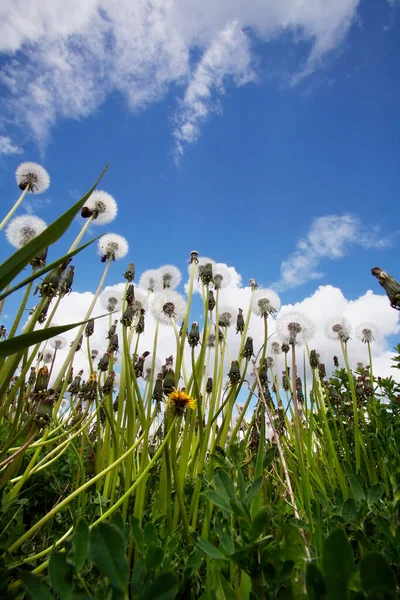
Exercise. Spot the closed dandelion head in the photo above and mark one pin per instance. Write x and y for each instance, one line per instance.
(221, 276)
(226, 315)
(170, 276)
(58, 343)
(101, 206)
(112, 246)
(167, 306)
(32, 176)
(179, 400)
(295, 328)
(151, 281)
(265, 302)
(111, 299)
(22, 230)
(367, 332)
(338, 328)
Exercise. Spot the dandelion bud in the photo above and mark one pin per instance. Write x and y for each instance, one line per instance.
(248, 348)
(90, 391)
(50, 285)
(194, 257)
(169, 380)
(240, 322)
(139, 364)
(234, 373)
(206, 273)
(286, 380)
(127, 317)
(79, 346)
(263, 373)
(3, 332)
(299, 389)
(314, 359)
(253, 283)
(76, 384)
(130, 272)
(70, 375)
(140, 324)
(130, 294)
(336, 362)
(390, 285)
(158, 388)
(209, 385)
(89, 329)
(194, 335)
(94, 354)
(221, 337)
(42, 380)
(45, 411)
(211, 300)
(65, 285)
(32, 377)
(39, 261)
(102, 365)
(112, 330)
(113, 345)
(109, 383)
(285, 348)
(322, 370)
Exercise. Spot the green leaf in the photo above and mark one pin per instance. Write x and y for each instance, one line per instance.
(80, 544)
(374, 493)
(150, 534)
(34, 586)
(224, 533)
(260, 521)
(377, 577)
(269, 457)
(137, 533)
(294, 544)
(315, 582)
(349, 509)
(61, 575)
(154, 556)
(253, 490)
(18, 261)
(338, 564)
(209, 550)
(165, 587)
(48, 268)
(218, 500)
(25, 340)
(138, 578)
(107, 551)
(224, 485)
(356, 489)
(225, 591)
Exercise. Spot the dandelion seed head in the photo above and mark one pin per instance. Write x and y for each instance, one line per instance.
(276, 348)
(151, 280)
(111, 299)
(33, 176)
(265, 302)
(113, 246)
(168, 305)
(294, 327)
(221, 276)
(58, 343)
(102, 206)
(226, 315)
(22, 230)
(48, 356)
(170, 276)
(367, 332)
(338, 328)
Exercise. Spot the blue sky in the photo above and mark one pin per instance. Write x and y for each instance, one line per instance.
(270, 156)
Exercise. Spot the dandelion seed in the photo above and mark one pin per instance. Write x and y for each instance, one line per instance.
(168, 305)
(112, 246)
(101, 206)
(22, 230)
(32, 176)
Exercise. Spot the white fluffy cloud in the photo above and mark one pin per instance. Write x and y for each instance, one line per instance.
(328, 238)
(63, 58)
(7, 146)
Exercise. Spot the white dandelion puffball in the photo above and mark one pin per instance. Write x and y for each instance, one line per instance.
(265, 302)
(102, 206)
(113, 246)
(221, 276)
(111, 299)
(32, 176)
(22, 230)
(201, 262)
(294, 327)
(168, 305)
(338, 328)
(276, 348)
(58, 343)
(226, 314)
(367, 332)
(48, 356)
(170, 276)
(151, 280)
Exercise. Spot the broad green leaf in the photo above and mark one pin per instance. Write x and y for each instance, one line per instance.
(46, 269)
(137, 533)
(377, 577)
(154, 556)
(224, 533)
(210, 550)
(315, 582)
(269, 457)
(61, 575)
(338, 564)
(80, 544)
(36, 589)
(107, 551)
(225, 591)
(18, 261)
(374, 493)
(224, 485)
(138, 578)
(218, 500)
(165, 587)
(241, 485)
(150, 534)
(349, 509)
(253, 490)
(25, 340)
(294, 543)
(356, 489)
(260, 521)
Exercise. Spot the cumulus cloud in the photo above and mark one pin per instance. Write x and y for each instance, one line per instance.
(328, 238)
(62, 59)
(7, 146)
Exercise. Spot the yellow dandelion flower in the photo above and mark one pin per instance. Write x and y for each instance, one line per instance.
(178, 400)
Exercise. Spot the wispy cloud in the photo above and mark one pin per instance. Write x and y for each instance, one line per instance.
(8, 147)
(62, 59)
(329, 237)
